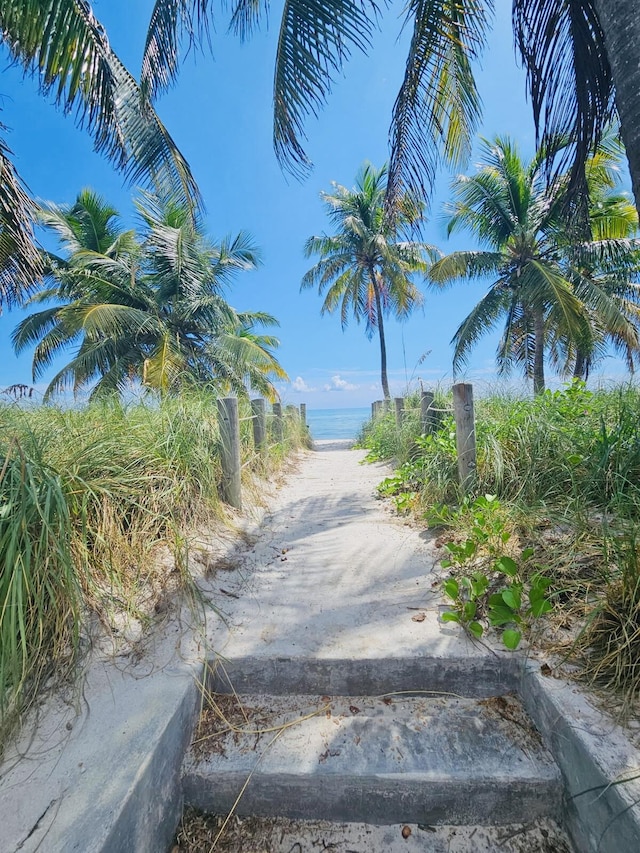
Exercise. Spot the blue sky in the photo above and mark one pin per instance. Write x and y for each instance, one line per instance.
(219, 113)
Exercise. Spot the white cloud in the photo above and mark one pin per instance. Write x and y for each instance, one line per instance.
(340, 384)
(300, 386)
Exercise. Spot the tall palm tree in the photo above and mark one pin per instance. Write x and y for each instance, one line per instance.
(537, 285)
(602, 258)
(65, 48)
(581, 58)
(366, 267)
(149, 311)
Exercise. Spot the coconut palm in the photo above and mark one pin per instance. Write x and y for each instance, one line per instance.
(149, 311)
(581, 60)
(545, 296)
(65, 48)
(366, 267)
(600, 255)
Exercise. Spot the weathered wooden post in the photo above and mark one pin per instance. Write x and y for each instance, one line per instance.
(303, 413)
(229, 426)
(427, 415)
(278, 427)
(399, 404)
(259, 412)
(465, 432)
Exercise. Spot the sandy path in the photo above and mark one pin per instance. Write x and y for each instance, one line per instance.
(335, 572)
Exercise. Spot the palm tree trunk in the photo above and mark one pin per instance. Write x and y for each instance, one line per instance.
(383, 345)
(620, 23)
(538, 351)
(580, 368)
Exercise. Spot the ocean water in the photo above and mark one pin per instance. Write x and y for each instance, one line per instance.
(337, 423)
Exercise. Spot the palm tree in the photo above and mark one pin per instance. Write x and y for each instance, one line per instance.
(603, 261)
(538, 288)
(65, 48)
(149, 311)
(582, 66)
(580, 56)
(366, 266)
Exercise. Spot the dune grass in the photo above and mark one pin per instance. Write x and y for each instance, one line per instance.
(565, 468)
(90, 498)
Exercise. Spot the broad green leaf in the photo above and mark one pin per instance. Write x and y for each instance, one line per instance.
(512, 598)
(451, 588)
(449, 616)
(469, 610)
(540, 606)
(476, 629)
(507, 566)
(500, 615)
(511, 638)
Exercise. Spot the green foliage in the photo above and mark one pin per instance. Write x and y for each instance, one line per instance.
(92, 503)
(565, 472)
(610, 641)
(366, 268)
(496, 590)
(146, 308)
(560, 292)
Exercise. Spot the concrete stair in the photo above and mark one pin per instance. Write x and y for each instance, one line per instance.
(427, 758)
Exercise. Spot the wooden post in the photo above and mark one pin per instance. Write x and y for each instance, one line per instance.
(303, 413)
(374, 412)
(465, 432)
(259, 412)
(399, 403)
(427, 415)
(278, 427)
(229, 426)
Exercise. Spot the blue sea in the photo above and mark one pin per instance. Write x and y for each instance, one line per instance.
(337, 423)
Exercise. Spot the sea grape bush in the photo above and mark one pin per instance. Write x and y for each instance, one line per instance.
(498, 592)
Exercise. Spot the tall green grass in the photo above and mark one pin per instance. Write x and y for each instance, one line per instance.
(566, 466)
(88, 499)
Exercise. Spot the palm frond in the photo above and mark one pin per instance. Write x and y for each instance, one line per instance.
(66, 48)
(460, 266)
(246, 16)
(172, 23)
(478, 323)
(568, 75)
(21, 264)
(438, 107)
(315, 39)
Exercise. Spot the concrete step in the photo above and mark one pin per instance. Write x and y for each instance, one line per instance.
(477, 674)
(391, 759)
(282, 835)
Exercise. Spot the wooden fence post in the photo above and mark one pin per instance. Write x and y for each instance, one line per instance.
(399, 404)
(229, 426)
(465, 432)
(278, 428)
(259, 412)
(303, 413)
(427, 415)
